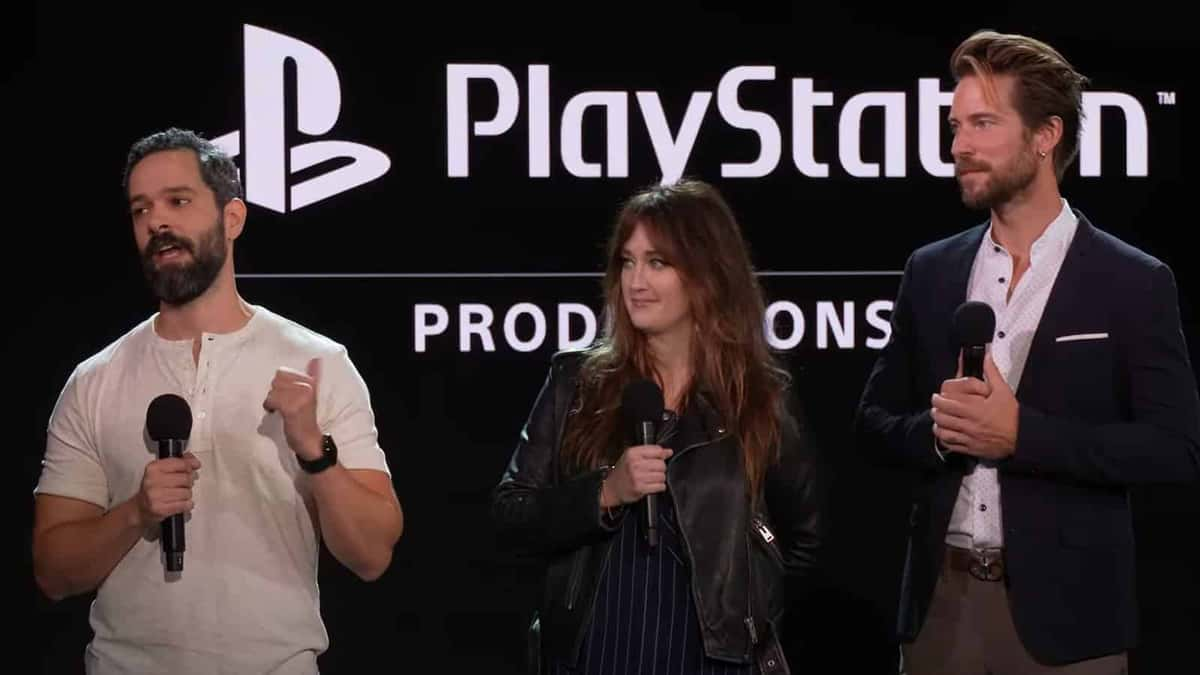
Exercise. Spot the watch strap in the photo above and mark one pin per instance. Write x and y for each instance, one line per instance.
(327, 459)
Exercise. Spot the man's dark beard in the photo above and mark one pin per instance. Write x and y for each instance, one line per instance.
(181, 282)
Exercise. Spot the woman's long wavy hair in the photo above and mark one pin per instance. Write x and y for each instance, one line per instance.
(693, 228)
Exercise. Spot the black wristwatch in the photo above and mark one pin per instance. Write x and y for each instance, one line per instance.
(327, 459)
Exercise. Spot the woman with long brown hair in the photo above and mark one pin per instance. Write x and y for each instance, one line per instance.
(693, 578)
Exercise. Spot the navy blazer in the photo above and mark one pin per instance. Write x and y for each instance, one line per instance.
(1096, 417)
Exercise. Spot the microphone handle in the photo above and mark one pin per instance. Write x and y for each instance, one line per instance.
(973, 361)
(645, 436)
(172, 526)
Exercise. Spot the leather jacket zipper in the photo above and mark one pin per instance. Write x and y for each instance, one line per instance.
(753, 633)
(768, 538)
(749, 620)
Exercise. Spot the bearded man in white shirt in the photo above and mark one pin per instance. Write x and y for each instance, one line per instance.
(282, 453)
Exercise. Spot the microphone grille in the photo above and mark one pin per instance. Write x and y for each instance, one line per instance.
(974, 323)
(168, 416)
(642, 400)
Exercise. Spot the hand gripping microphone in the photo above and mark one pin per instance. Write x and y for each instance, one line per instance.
(974, 324)
(169, 422)
(642, 406)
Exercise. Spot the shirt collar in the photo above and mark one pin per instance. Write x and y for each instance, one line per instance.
(1053, 242)
(217, 339)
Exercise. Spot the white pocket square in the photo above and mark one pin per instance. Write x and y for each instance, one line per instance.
(1081, 336)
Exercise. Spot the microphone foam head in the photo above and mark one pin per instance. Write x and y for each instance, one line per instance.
(974, 323)
(641, 401)
(169, 416)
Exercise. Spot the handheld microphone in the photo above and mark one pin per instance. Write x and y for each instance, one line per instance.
(642, 405)
(169, 422)
(974, 324)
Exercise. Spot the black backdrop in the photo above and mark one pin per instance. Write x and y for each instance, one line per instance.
(498, 237)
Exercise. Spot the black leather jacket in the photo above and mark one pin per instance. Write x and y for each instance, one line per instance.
(747, 564)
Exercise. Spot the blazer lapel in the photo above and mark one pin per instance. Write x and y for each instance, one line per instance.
(1068, 287)
(953, 287)
(958, 272)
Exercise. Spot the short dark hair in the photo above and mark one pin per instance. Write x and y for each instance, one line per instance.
(217, 169)
(1046, 83)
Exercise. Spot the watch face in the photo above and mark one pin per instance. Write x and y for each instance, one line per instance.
(327, 459)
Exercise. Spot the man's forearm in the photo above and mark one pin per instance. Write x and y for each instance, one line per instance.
(75, 557)
(359, 524)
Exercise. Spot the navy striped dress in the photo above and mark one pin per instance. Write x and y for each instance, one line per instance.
(644, 619)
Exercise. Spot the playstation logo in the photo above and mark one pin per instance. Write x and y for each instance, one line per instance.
(269, 162)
